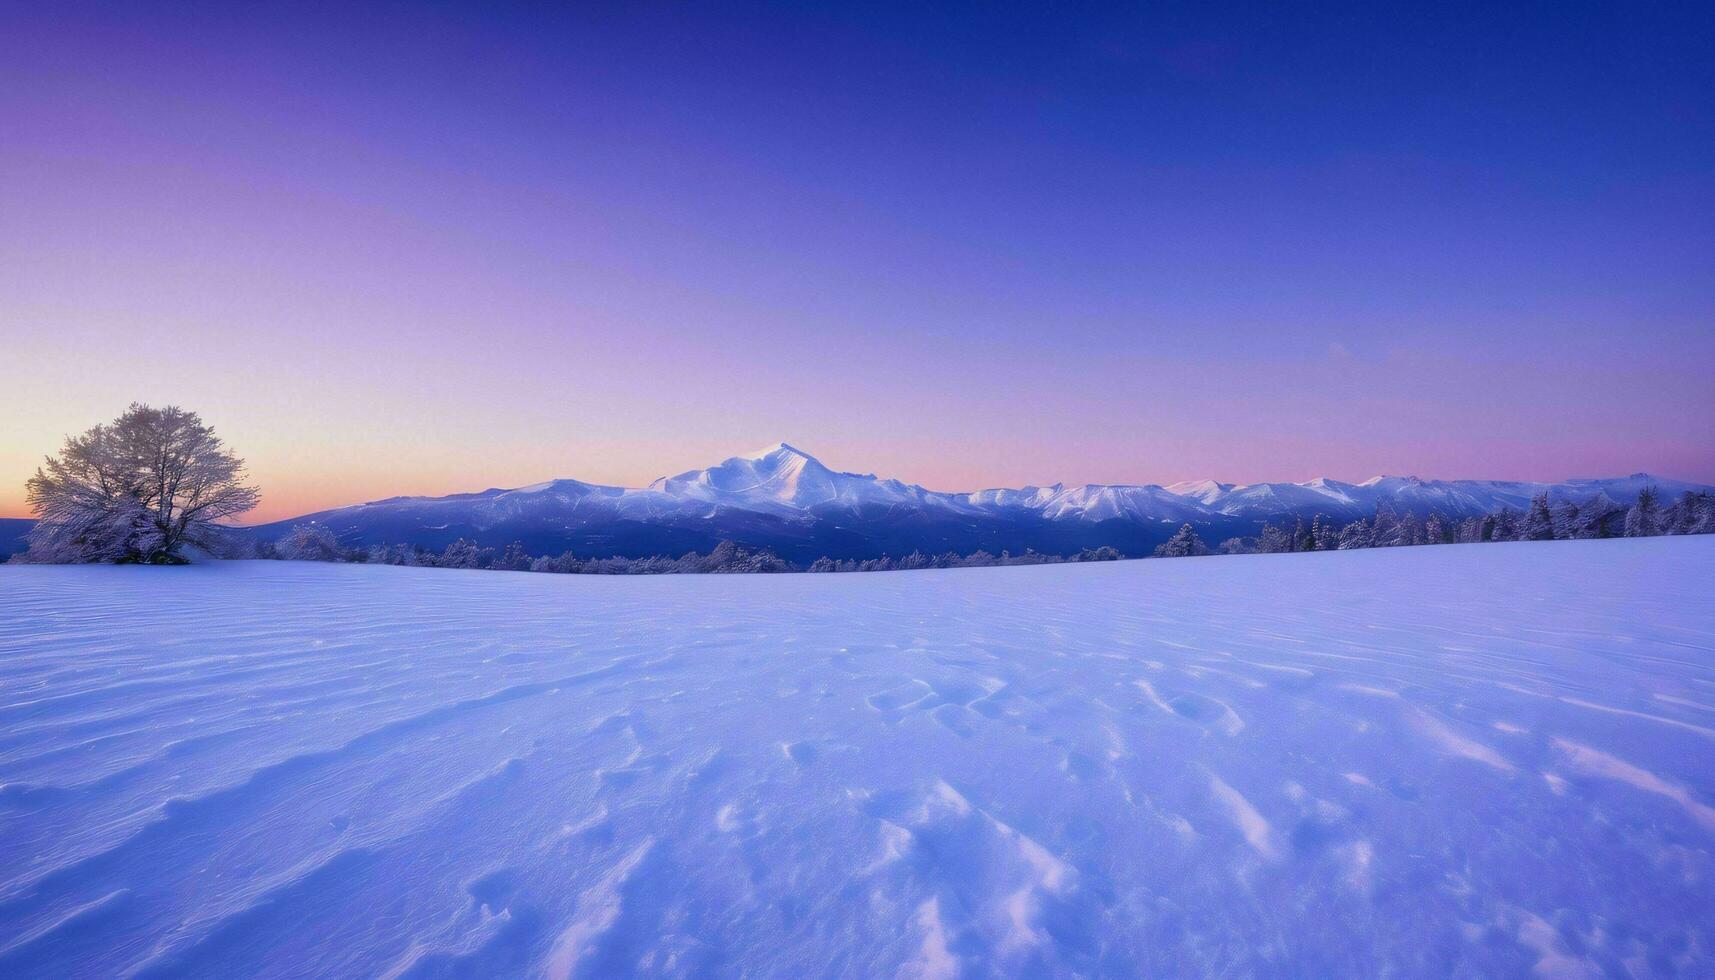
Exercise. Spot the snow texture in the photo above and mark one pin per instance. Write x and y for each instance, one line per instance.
(1490, 760)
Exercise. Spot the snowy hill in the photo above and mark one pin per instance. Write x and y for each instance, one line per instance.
(782, 498)
(1413, 762)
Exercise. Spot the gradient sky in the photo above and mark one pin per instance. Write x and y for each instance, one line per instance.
(402, 248)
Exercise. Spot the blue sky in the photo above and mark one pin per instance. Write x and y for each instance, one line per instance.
(429, 248)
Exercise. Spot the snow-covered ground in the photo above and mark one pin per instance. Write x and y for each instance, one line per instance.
(1425, 761)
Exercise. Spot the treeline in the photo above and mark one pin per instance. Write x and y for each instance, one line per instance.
(977, 559)
(1598, 517)
(314, 542)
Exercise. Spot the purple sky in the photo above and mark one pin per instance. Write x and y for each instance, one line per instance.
(391, 251)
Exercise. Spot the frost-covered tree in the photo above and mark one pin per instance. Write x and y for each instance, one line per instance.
(1384, 529)
(1644, 519)
(915, 561)
(1598, 517)
(309, 542)
(564, 563)
(732, 557)
(1699, 513)
(1184, 544)
(1565, 520)
(514, 558)
(1355, 535)
(1506, 525)
(461, 554)
(1409, 531)
(398, 554)
(1274, 540)
(1538, 522)
(1474, 529)
(140, 489)
(1322, 534)
(1435, 530)
(1692, 513)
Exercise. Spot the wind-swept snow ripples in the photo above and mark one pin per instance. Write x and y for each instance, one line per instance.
(1427, 761)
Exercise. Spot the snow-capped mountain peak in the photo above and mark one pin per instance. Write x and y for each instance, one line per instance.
(1203, 491)
(782, 477)
(775, 449)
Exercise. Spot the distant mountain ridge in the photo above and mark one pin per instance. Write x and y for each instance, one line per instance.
(12, 531)
(785, 499)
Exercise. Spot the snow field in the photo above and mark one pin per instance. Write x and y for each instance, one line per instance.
(1425, 761)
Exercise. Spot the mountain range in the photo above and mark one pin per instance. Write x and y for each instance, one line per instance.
(786, 500)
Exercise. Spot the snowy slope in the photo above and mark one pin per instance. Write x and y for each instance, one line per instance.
(1481, 761)
(783, 498)
(1202, 491)
(1275, 500)
(1100, 502)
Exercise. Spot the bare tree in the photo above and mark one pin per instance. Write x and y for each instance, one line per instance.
(137, 490)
